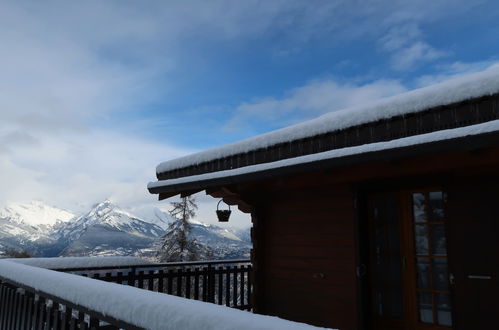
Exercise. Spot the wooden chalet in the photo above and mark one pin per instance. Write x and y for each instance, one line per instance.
(380, 217)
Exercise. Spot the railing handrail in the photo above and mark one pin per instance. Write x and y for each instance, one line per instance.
(156, 265)
(79, 308)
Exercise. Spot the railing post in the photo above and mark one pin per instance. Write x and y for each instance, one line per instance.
(211, 284)
(131, 277)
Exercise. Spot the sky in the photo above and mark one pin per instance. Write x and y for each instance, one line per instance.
(95, 94)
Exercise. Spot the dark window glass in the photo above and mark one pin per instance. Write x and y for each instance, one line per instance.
(431, 262)
(437, 206)
(421, 239)
(438, 243)
(444, 310)
(423, 273)
(419, 207)
(440, 275)
(425, 307)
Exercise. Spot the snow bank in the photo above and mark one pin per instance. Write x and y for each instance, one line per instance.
(491, 126)
(80, 262)
(451, 91)
(142, 308)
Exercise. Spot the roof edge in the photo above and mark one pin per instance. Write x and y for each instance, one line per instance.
(211, 180)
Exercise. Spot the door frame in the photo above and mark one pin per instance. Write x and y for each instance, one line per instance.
(403, 191)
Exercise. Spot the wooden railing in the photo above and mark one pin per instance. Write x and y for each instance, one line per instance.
(23, 307)
(223, 282)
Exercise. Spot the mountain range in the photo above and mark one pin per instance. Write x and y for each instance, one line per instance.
(106, 229)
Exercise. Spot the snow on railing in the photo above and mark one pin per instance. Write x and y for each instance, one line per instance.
(119, 305)
(80, 262)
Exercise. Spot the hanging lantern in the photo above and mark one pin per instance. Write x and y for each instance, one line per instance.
(223, 215)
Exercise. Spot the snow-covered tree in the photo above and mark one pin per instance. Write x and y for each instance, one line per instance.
(177, 244)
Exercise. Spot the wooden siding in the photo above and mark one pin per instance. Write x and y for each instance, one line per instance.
(309, 257)
(306, 225)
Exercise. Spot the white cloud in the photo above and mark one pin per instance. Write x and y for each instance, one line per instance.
(312, 100)
(406, 58)
(407, 47)
(67, 66)
(82, 168)
(452, 70)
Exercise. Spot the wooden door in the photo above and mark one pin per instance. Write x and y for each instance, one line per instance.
(409, 281)
(385, 267)
(474, 253)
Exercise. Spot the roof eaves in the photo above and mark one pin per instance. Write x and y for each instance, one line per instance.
(230, 177)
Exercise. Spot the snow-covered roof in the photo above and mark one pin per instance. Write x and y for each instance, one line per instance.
(448, 92)
(146, 309)
(438, 136)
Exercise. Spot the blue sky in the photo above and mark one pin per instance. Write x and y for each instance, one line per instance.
(95, 94)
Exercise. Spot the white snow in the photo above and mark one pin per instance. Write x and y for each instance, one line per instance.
(491, 126)
(227, 234)
(75, 262)
(12, 230)
(150, 310)
(451, 91)
(197, 222)
(35, 213)
(107, 213)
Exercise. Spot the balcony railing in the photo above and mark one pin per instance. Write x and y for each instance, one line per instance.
(223, 282)
(24, 307)
(37, 298)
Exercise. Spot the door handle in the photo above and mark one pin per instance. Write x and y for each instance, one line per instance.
(479, 277)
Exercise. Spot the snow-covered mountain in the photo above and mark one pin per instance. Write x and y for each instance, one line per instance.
(106, 229)
(35, 213)
(29, 226)
(109, 214)
(226, 243)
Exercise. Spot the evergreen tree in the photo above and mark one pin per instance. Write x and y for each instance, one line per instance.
(176, 244)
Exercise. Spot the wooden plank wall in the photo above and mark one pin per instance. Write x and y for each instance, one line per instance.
(309, 255)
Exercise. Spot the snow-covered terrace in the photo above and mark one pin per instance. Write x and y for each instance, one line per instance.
(100, 303)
